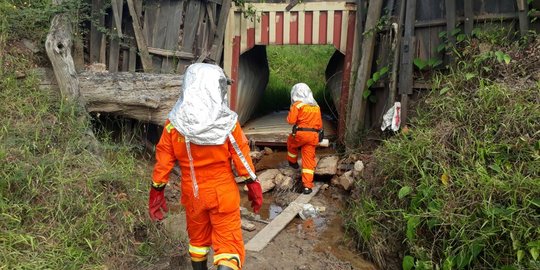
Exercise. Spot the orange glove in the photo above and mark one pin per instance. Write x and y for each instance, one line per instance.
(255, 195)
(157, 202)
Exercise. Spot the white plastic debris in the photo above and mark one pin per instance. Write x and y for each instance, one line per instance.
(392, 118)
(308, 211)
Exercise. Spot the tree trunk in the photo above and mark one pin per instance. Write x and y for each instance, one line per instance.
(58, 46)
(142, 96)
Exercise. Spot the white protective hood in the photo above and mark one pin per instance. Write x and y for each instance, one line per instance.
(301, 92)
(201, 113)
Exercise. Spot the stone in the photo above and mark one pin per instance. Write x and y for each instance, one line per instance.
(256, 155)
(267, 179)
(268, 151)
(288, 171)
(283, 182)
(346, 181)
(325, 187)
(358, 169)
(335, 181)
(327, 166)
(30, 45)
(248, 226)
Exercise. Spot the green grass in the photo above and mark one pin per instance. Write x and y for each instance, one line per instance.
(461, 188)
(65, 203)
(292, 64)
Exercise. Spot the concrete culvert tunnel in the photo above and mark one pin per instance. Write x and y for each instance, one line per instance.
(266, 75)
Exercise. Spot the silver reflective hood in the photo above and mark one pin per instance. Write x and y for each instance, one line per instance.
(201, 113)
(301, 92)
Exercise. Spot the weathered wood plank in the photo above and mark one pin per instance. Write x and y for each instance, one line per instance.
(407, 54)
(357, 109)
(217, 45)
(175, 10)
(523, 11)
(192, 15)
(114, 48)
(261, 239)
(469, 16)
(450, 6)
(125, 60)
(159, 31)
(171, 53)
(396, 47)
(141, 42)
(98, 20)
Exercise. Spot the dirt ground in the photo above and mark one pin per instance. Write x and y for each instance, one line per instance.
(312, 244)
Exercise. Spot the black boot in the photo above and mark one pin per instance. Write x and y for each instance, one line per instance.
(199, 265)
(223, 267)
(307, 190)
(294, 165)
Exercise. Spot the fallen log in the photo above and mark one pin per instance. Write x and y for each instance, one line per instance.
(141, 96)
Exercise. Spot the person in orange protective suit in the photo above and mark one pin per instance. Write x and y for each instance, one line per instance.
(202, 134)
(305, 116)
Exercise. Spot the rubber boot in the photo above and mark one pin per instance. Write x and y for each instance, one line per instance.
(199, 265)
(223, 267)
(294, 165)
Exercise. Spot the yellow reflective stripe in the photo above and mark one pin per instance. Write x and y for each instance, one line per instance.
(195, 259)
(155, 184)
(308, 171)
(226, 256)
(199, 250)
(300, 105)
(229, 264)
(291, 155)
(169, 127)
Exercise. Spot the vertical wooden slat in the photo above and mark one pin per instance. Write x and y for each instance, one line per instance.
(469, 16)
(217, 45)
(330, 27)
(338, 18)
(347, 68)
(450, 6)
(279, 28)
(125, 60)
(523, 10)
(315, 30)
(272, 27)
(407, 56)
(258, 29)
(294, 28)
(343, 41)
(98, 20)
(301, 27)
(286, 28)
(357, 110)
(243, 34)
(308, 30)
(116, 22)
(141, 42)
(174, 15)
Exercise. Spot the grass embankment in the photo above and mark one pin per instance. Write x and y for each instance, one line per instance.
(292, 64)
(62, 204)
(461, 188)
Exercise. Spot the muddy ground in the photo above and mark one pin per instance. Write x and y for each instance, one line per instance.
(318, 243)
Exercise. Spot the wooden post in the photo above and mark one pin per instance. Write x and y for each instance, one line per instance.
(450, 6)
(396, 48)
(217, 46)
(58, 46)
(141, 42)
(172, 34)
(407, 57)
(469, 16)
(114, 49)
(97, 20)
(356, 116)
(523, 10)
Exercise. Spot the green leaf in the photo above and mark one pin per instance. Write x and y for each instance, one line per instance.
(408, 262)
(419, 63)
(469, 76)
(376, 76)
(444, 90)
(366, 93)
(370, 82)
(507, 59)
(383, 71)
(520, 255)
(461, 37)
(442, 34)
(448, 263)
(412, 223)
(455, 31)
(508, 267)
(404, 191)
(441, 47)
(534, 253)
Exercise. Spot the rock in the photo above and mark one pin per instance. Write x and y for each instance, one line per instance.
(346, 181)
(325, 187)
(283, 182)
(248, 226)
(268, 151)
(327, 166)
(293, 173)
(255, 155)
(335, 180)
(30, 45)
(344, 165)
(267, 179)
(358, 169)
